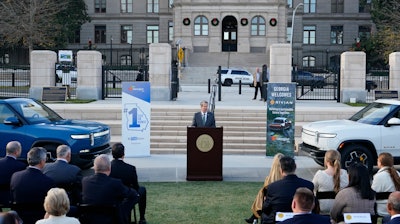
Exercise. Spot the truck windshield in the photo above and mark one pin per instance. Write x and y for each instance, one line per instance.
(35, 112)
(373, 113)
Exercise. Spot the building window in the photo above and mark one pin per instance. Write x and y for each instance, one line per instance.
(201, 26)
(308, 61)
(309, 35)
(100, 34)
(257, 26)
(152, 6)
(100, 6)
(170, 31)
(125, 60)
(309, 6)
(126, 34)
(152, 34)
(364, 32)
(171, 3)
(290, 3)
(75, 38)
(126, 6)
(336, 34)
(337, 6)
(364, 6)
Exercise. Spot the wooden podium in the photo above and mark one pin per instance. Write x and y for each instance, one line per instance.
(204, 153)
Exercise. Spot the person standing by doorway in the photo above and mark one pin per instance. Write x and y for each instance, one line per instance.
(257, 83)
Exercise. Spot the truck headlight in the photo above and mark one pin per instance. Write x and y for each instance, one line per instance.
(327, 135)
(84, 136)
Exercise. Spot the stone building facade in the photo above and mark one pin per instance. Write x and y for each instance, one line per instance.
(323, 29)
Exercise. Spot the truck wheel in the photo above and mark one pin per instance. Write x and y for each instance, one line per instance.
(228, 82)
(357, 154)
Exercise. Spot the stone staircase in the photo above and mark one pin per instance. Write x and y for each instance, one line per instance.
(244, 129)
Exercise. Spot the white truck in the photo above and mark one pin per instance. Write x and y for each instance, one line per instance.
(361, 138)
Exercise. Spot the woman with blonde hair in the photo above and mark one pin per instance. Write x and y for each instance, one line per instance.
(385, 180)
(56, 205)
(274, 175)
(332, 178)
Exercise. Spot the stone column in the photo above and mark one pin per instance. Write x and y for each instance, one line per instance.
(394, 71)
(352, 77)
(89, 80)
(42, 72)
(280, 67)
(160, 71)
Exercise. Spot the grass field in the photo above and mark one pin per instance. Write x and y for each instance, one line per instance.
(206, 202)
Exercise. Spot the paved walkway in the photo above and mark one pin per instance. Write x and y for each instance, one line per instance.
(172, 168)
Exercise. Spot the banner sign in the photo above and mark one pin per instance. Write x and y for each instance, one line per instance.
(281, 100)
(136, 113)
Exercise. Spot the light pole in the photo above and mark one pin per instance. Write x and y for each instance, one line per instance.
(291, 35)
(294, 12)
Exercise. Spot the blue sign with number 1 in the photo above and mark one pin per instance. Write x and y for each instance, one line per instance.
(136, 118)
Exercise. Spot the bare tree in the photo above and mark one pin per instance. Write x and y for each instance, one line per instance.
(30, 22)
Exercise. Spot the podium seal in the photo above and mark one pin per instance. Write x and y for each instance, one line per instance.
(205, 143)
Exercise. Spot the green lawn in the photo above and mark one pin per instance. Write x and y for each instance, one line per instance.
(205, 202)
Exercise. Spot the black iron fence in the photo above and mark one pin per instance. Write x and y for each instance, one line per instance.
(316, 84)
(114, 75)
(376, 80)
(14, 81)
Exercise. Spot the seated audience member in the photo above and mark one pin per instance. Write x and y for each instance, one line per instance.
(333, 178)
(385, 180)
(358, 197)
(393, 207)
(8, 166)
(56, 205)
(65, 175)
(100, 189)
(10, 217)
(274, 175)
(302, 206)
(30, 186)
(280, 193)
(127, 173)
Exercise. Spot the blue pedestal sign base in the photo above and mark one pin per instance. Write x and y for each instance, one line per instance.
(281, 100)
(136, 111)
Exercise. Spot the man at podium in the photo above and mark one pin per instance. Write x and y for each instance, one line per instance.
(204, 118)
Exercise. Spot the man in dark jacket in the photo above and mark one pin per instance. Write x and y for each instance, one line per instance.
(302, 206)
(65, 175)
(127, 173)
(204, 118)
(30, 186)
(100, 189)
(280, 193)
(8, 166)
(393, 207)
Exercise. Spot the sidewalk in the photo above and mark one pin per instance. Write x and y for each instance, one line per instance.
(172, 167)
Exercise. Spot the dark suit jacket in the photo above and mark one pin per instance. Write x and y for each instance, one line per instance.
(125, 172)
(62, 172)
(30, 186)
(307, 219)
(100, 189)
(394, 221)
(280, 195)
(8, 166)
(198, 120)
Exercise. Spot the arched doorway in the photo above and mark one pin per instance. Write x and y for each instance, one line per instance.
(229, 34)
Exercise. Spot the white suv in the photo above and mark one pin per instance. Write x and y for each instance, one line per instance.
(369, 132)
(231, 76)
